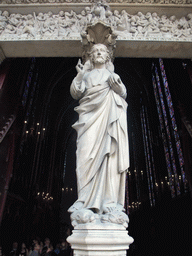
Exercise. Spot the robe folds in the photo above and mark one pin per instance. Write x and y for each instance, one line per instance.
(102, 156)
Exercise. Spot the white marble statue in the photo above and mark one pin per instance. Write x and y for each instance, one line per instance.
(102, 140)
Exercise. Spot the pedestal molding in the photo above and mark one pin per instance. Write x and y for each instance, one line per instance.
(100, 239)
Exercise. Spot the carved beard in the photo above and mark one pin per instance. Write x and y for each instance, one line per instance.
(99, 60)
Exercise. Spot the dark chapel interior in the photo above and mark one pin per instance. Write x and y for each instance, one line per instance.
(37, 151)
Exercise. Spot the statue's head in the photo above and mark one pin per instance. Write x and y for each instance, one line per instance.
(29, 17)
(61, 14)
(189, 16)
(99, 54)
(5, 13)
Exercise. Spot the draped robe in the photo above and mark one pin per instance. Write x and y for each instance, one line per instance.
(102, 156)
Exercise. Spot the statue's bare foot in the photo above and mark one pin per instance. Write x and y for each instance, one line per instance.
(116, 217)
(120, 208)
(107, 208)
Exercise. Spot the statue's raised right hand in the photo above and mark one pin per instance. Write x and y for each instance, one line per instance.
(83, 68)
(79, 66)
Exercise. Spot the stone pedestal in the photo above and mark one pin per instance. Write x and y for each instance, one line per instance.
(100, 239)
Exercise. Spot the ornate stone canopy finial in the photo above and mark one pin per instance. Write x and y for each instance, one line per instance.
(99, 31)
